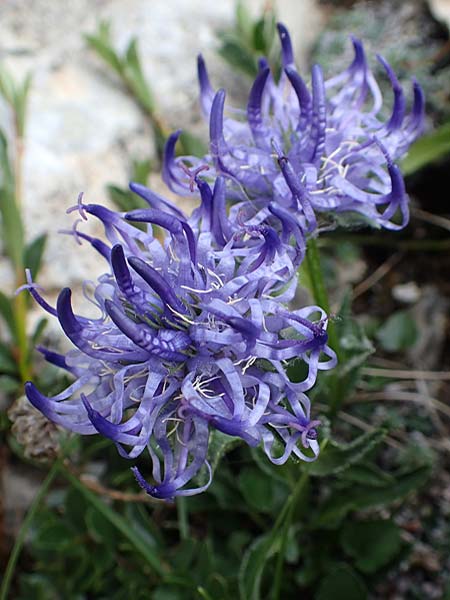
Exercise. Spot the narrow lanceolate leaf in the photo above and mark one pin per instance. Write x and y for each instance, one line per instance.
(20, 104)
(136, 78)
(253, 564)
(8, 365)
(12, 229)
(7, 87)
(11, 219)
(364, 497)
(7, 314)
(336, 458)
(101, 44)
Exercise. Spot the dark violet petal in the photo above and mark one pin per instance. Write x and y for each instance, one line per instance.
(137, 333)
(157, 282)
(290, 227)
(319, 118)
(66, 317)
(120, 270)
(206, 204)
(263, 63)
(359, 61)
(206, 90)
(304, 98)
(171, 172)
(151, 490)
(220, 225)
(143, 337)
(418, 109)
(254, 109)
(101, 424)
(217, 142)
(398, 110)
(192, 244)
(155, 200)
(39, 401)
(54, 358)
(287, 54)
(157, 217)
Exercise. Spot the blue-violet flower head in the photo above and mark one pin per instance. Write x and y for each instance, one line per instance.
(193, 335)
(312, 151)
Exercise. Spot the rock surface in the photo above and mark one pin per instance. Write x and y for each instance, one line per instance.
(82, 127)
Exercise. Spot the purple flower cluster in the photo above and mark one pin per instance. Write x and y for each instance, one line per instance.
(313, 152)
(194, 333)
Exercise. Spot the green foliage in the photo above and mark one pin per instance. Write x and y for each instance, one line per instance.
(342, 584)
(398, 333)
(127, 65)
(244, 43)
(12, 227)
(123, 198)
(337, 458)
(372, 544)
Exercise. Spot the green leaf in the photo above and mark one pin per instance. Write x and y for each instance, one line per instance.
(53, 535)
(342, 584)
(34, 251)
(125, 200)
(238, 56)
(8, 365)
(243, 20)
(100, 528)
(191, 145)
(373, 544)
(427, 149)
(264, 33)
(368, 474)
(12, 226)
(7, 86)
(8, 384)
(362, 497)
(38, 331)
(20, 104)
(398, 333)
(140, 171)
(136, 78)
(257, 489)
(252, 566)
(136, 541)
(101, 44)
(336, 458)
(7, 312)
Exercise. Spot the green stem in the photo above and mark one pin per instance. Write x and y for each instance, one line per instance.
(140, 545)
(20, 315)
(20, 302)
(183, 523)
(291, 505)
(321, 298)
(4, 589)
(319, 289)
